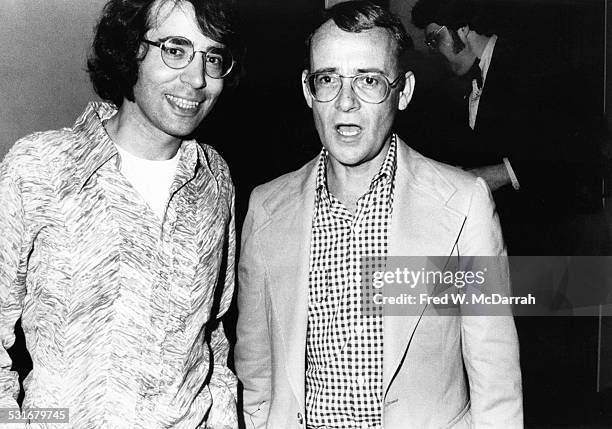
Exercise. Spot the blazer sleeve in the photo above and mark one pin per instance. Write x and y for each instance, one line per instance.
(490, 343)
(253, 348)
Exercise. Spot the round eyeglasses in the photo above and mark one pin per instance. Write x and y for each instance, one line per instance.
(373, 88)
(178, 52)
(432, 40)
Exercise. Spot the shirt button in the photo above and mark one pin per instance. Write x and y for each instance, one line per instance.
(357, 279)
(364, 425)
(356, 229)
(359, 329)
(361, 380)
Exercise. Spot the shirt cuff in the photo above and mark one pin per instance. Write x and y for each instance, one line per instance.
(515, 182)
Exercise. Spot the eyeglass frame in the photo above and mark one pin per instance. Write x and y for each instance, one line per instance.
(390, 84)
(160, 44)
(432, 41)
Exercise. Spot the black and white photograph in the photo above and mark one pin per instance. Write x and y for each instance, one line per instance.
(306, 214)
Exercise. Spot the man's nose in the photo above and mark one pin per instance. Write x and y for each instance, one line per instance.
(347, 100)
(195, 74)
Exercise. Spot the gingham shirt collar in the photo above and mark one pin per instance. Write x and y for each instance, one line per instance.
(386, 172)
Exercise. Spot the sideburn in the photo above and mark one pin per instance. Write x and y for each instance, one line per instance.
(458, 44)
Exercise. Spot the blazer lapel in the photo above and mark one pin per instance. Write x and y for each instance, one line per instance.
(288, 251)
(421, 226)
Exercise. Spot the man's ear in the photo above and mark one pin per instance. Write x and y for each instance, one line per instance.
(305, 89)
(142, 51)
(463, 33)
(407, 91)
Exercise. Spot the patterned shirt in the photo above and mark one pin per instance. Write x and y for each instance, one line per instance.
(344, 346)
(119, 310)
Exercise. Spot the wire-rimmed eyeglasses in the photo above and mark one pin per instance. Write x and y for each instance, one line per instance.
(432, 40)
(178, 52)
(372, 87)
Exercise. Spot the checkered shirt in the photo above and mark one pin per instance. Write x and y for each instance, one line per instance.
(344, 346)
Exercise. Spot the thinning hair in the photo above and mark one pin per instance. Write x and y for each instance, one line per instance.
(363, 15)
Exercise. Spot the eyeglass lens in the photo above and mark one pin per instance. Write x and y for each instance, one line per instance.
(369, 87)
(178, 52)
(432, 40)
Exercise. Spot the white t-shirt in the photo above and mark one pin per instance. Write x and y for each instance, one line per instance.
(152, 179)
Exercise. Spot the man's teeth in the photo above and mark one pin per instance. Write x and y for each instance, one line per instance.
(182, 103)
(348, 130)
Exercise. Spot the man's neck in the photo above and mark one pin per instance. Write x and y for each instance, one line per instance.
(477, 43)
(128, 132)
(349, 182)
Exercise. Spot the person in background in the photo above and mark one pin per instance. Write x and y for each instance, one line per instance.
(519, 122)
(511, 130)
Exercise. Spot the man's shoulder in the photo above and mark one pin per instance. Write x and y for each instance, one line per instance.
(428, 172)
(286, 186)
(524, 73)
(217, 168)
(287, 180)
(452, 187)
(39, 147)
(215, 161)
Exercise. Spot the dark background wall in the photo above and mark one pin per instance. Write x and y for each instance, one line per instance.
(264, 128)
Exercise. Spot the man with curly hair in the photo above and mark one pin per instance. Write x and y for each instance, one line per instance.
(117, 247)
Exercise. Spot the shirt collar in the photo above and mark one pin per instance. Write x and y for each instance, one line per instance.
(487, 54)
(386, 172)
(94, 147)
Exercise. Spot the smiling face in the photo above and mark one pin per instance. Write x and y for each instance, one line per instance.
(353, 131)
(170, 103)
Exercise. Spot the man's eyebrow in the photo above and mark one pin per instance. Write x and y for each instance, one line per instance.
(212, 44)
(326, 70)
(215, 44)
(365, 70)
(371, 70)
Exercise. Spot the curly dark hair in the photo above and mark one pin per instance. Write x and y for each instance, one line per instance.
(113, 62)
(362, 15)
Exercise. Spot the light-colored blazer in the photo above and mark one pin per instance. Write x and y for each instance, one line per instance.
(438, 372)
